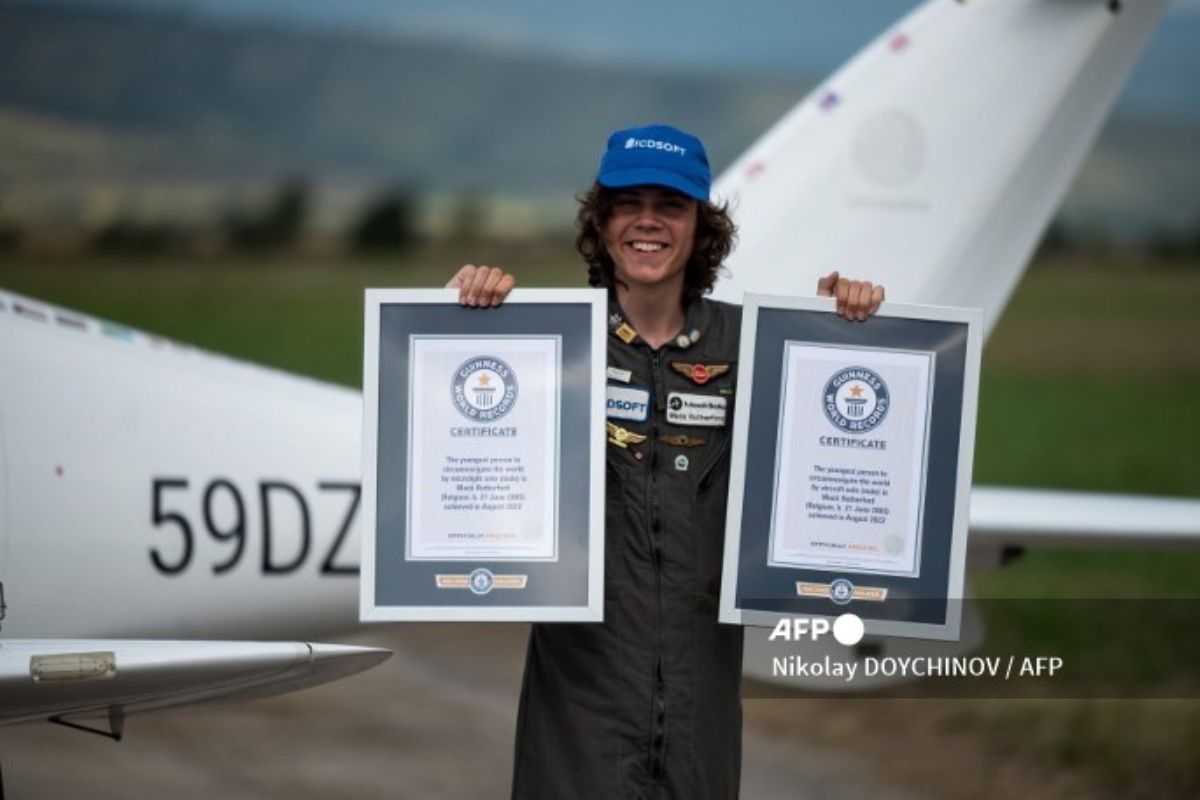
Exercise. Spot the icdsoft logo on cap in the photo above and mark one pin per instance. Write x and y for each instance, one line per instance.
(655, 144)
(656, 155)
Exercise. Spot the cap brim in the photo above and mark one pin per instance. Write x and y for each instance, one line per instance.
(648, 176)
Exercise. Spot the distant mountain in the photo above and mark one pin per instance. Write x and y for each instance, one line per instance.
(204, 99)
(125, 96)
(762, 37)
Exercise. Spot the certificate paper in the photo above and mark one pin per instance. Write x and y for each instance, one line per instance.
(483, 431)
(849, 477)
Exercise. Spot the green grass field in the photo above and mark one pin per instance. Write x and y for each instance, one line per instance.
(1089, 382)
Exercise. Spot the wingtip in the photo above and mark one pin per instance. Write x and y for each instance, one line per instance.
(357, 656)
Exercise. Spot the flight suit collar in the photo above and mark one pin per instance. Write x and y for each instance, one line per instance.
(696, 317)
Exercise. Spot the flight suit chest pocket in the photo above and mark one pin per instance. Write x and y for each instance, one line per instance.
(615, 525)
(699, 394)
(709, 505)
(698, 413)
(697, 408)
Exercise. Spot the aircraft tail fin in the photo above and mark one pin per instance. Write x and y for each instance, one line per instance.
(933, 161)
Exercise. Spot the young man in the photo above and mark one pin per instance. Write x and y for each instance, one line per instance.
(648, 704)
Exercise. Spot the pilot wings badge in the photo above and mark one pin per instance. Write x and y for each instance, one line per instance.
(621, 437)
(699, 373)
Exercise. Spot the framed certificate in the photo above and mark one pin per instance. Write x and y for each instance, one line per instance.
(855, 498)
(483, 457)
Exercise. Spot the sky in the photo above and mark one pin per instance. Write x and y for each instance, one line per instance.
(772, 38)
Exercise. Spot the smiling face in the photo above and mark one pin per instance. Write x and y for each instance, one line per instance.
(650, 235)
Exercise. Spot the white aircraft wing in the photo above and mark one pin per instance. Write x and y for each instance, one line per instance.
(72, 679)
(1046, 518)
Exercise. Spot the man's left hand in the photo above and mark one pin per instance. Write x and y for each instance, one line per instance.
(856, 300)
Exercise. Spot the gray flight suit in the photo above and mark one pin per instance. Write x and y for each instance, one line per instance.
(648, 704)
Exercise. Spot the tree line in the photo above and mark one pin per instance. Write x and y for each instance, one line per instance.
(388, 221)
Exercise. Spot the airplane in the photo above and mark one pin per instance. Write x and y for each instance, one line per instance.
(162, 505)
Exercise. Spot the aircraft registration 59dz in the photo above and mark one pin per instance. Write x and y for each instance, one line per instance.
(156, 490)
(150, 490)
(153, 491)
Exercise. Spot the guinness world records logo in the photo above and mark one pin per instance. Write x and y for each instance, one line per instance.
(481, 581)
(856, 400)
(484, 388)
(841, 591)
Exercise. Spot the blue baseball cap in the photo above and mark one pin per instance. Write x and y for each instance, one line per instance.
(656, 155)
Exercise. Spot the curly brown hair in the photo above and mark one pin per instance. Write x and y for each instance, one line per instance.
(715, 236)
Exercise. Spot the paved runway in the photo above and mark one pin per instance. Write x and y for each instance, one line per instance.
(435, 721)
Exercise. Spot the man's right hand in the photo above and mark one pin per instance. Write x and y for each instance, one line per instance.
(481, 286)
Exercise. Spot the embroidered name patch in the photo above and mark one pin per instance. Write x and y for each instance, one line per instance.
(622, 375)
(700, 410)
(628, 402)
